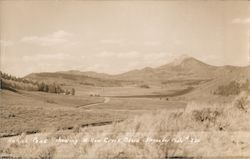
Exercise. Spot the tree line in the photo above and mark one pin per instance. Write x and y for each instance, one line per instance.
(11, 82)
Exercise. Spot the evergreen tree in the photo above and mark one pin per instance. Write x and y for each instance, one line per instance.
(52, 88)
(46, 88)
(73, 91)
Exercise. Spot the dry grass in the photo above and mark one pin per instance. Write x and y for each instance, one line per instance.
(214, 126)
(44, 112)
(32, 113)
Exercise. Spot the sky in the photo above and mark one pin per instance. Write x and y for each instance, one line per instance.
(117, 36)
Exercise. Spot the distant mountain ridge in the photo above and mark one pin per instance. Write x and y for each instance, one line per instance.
(184, 68)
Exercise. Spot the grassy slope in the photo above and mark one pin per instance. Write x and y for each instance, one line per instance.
(220, 131)
(36, 112)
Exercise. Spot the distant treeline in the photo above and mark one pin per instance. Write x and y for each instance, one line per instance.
(11, 83)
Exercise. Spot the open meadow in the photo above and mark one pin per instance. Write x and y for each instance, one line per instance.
(160, 132)
(107, 79)
(174, 118)
(33, 112)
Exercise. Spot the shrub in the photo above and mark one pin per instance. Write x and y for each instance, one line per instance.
(233, 88)
(73, 91)
(48, 153)
(52, 88)
(242, 101)
(144, 86)
(206, 115)
(50, 101)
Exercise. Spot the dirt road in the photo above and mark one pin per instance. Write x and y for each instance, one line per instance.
(106, 100)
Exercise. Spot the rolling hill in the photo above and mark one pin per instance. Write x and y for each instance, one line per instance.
(187, 68)
(181, 68)
(184, 70)
(73, 78)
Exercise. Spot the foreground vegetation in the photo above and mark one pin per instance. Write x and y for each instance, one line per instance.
(199, 130)
(33, 112)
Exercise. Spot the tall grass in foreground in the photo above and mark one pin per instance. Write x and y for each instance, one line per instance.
(159, 128)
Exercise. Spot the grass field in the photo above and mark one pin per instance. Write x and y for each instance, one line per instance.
(220, 131)
(139, 104)
(33, 112)
(50, 117)
(36, 112)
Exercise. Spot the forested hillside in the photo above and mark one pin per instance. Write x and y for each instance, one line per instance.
(13, 83)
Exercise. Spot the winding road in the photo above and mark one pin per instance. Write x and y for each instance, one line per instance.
(106, 100)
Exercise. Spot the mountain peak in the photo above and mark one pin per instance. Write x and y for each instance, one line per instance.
(185, 62)
(179, 60)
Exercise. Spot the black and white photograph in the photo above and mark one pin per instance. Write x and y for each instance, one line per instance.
(124, 79)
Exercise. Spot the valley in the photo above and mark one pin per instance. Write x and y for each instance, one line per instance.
(186, 92)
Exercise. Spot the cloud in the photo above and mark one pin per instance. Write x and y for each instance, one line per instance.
(152, 43)
(241, 20)
(61, 34)
(46, 57)
(94, 67)
(6, 43)
(111, 41)
(56, 38)
(105, 54)
(155, 59)
(131, 54)
(154, 56)
(109, 54)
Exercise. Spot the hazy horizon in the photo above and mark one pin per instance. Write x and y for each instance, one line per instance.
(115, 37)
(120, 72)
